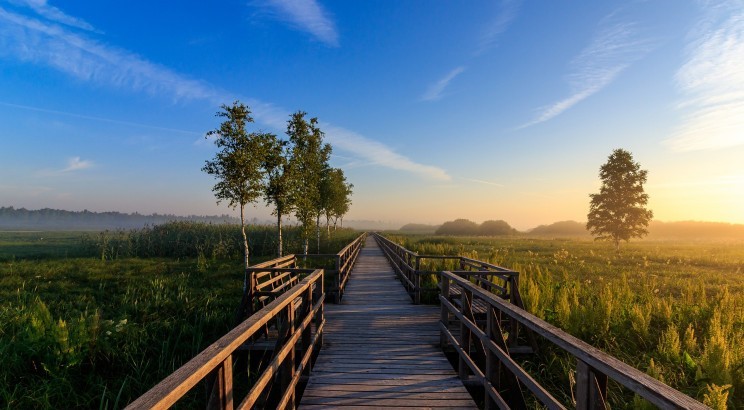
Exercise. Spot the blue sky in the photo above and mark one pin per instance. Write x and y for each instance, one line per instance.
(436, 109)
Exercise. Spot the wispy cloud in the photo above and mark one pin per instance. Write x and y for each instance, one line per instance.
(305, 15)
(94, 118)
(77, 164)
(434, 92)
(507, 12)
(614, 47)
(712, 82)
(481, 181)
(380, 154)
(42, 8)
(39, 42)
(73, 164)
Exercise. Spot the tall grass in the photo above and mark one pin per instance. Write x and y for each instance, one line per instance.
(98, 331)
(673, 310)
(181, 239)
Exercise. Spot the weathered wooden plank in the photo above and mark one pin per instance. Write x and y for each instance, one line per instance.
(406, 401)
(380, 349)
(373, 406)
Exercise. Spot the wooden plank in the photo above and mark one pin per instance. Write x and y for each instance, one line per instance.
(380, 350)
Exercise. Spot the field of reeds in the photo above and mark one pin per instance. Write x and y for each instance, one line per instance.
(93, 320)
(674, 310)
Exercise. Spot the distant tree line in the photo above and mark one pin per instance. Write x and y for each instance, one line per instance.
(291, 175)
(51, 219)
(465, 227)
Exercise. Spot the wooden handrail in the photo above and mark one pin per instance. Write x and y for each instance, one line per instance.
(269, 279)
(407, 265)
(217, 359)
(593, 365)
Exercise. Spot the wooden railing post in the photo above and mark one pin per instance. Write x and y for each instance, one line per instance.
(307, 334)
(339, 279)
(591, 387)
(417, 282)
(444, 316)
(287, 370)
(320, 315)
(492, 362)
(221, 394)
(466, 310)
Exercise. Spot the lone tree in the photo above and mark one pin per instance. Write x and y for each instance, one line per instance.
(618, 212)
(238, 166)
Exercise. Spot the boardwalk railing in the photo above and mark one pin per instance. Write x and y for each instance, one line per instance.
(266, 281)
(482, 322)
(297, 314)
(485, 356)
(408, 265)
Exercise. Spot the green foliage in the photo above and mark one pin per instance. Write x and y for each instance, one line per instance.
(335, 195)
(309, 157)
(89, 333)
(239, 163)
(716, 396)
(680, 304)
(458, 227)
(495, 228)
(618, 212)
(465, 227)
(280, 183)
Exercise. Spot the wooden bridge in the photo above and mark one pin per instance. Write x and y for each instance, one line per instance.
(377, 346)
(380, 349)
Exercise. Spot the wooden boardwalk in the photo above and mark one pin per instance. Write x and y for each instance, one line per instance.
(380, 350)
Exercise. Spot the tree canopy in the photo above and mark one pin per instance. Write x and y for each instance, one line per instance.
(618, 212)
(291, 175)
(238, 166)
(309, 159)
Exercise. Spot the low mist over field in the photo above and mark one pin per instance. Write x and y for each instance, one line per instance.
(686, 230)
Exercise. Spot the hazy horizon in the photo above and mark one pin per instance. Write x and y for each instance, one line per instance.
(479, 110)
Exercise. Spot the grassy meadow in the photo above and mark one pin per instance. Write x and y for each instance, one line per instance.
(672, 309)
(94, 319)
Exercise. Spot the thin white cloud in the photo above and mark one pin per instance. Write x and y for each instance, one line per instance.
(380, 154)
(615, 46)
(73, 164)
(712, 82)
(42, 8)
(93, 118)
(77, 164)
(39, 42)
(308, 16)
(507, 12)
(434, 92)
(480, 181)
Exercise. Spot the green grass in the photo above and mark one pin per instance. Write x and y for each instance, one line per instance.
(97, 332)
(39, 244)
(672, 309)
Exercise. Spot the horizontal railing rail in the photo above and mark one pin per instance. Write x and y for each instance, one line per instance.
(484, 355)
(267, 280)
(296, 313)
(408, 266)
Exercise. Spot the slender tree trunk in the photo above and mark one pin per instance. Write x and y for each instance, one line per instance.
(307, 244)
(617, 245)
(328, 227)
(279, 231)
(245, 237)
(317, 230)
